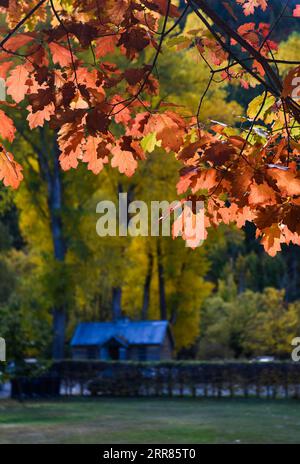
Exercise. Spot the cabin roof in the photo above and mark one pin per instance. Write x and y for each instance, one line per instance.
(134, 332)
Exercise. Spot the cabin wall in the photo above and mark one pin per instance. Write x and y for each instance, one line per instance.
(151, 352)
(85, 352)
(144, 353)
(166, 349)
(132, 353)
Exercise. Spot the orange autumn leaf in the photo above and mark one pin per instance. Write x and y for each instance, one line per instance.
(167, 129)
(10, 170)
(271, 240)
(206, 180)
(250, 5)
(60, 55)
(124, 161)
(95, 154)
(7, 128)
(287, 181)
(105, 45)
(39, 117)
(16, 83)
(261, 194)
(291, 83)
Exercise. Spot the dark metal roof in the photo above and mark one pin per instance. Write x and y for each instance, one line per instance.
(134, 332)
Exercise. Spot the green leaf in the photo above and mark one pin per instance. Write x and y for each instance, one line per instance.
(149, 142)
(231, 131)
(256, 105)
(181, 40)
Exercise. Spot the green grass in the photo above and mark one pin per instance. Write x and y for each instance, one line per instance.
(150, 421)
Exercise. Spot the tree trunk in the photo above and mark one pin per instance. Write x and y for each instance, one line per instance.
(50, 171)
(59, 330)
(147, 284)
(117, 290)
(55, 210)
(116, 303)
(161, 283)
(48, 158)
(292, 291)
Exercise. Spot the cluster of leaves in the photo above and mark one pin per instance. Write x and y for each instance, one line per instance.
(55, 62)
(247, 325)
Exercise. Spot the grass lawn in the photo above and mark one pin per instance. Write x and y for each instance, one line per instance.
(150, 421)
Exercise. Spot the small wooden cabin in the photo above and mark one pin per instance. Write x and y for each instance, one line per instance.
(123, 340)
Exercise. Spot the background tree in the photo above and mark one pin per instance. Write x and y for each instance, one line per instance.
(247, 324)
